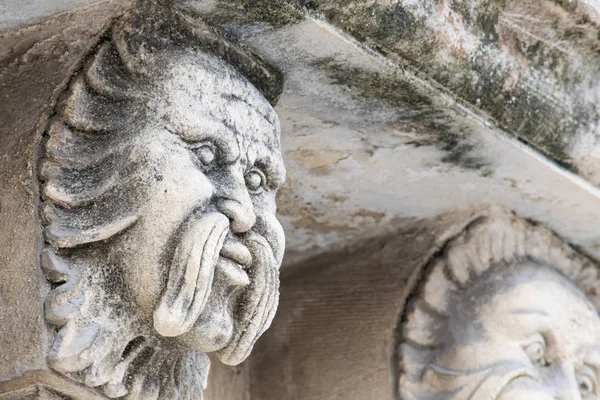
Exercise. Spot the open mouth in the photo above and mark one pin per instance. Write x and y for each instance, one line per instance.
(234, 261)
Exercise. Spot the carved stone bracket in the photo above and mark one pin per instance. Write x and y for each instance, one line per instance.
(158, 175)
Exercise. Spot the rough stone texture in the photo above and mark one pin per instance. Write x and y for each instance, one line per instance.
(530, 65)
(35, 66)
(337, 132)
(360, 157)
(364, 161)
(159, 175)
(131, 126)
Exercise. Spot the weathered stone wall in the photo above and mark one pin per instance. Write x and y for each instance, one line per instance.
(35, 67)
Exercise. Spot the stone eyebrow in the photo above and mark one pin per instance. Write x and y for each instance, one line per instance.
(529, 311)
(215, 131)
(272, 166)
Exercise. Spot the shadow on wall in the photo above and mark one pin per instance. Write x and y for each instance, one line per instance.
(332, 336)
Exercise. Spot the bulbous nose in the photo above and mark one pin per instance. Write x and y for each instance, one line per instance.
(234, 201)
(240, 214)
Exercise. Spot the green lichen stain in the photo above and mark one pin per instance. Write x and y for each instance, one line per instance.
(385, 28)
(533, 69)
(275, 13)
(388, 88)
(416, 112)
(532, 119)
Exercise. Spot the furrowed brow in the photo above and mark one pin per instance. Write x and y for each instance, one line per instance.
(273, 168)
(214, 131)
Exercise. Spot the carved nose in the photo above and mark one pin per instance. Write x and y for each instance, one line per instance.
(565, 382)
(234, 201)
(240, 213)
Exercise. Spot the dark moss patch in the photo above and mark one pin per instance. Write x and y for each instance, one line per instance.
(458, 150)
(390, 89)
(275, 13)
(544, 125)
(416, 112)
(390, 28)
(533, 72)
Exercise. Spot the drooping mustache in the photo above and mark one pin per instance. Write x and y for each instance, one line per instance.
(483, 383)
(191, 275)
(258, 303)
(191, 278)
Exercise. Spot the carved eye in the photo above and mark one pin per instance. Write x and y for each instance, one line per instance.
(587, 382)
(255, 180)
(536, 351)
(206, 154)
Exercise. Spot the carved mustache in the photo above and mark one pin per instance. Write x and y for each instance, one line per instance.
(191, 278)
(258, 303)
(191, 275)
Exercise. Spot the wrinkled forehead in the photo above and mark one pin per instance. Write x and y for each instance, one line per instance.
(202, 92)
(533, 291)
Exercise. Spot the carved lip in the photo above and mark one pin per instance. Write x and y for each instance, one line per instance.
(236, 252)
(234, 259)
(236, 276)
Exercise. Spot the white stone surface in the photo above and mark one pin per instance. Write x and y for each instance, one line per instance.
(353, 171)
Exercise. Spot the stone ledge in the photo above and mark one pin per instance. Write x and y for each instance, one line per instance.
(44, 384)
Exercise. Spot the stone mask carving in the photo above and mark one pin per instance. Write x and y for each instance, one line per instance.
(159, 172)
(507, 312)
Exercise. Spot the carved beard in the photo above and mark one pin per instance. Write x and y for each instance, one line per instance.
(192, 276)
(485, 383)
(103, 342)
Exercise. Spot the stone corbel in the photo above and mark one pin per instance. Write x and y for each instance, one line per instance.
(157, 177)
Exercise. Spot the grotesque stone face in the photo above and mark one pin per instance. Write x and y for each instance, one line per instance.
(159, 175)
(530, 334)
(212, 164)
(506, 313)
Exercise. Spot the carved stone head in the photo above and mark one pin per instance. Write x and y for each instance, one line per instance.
(159, 172)
(507, 312)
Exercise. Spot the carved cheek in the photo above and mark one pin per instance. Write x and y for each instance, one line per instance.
(165, 206)
(269, 227)
(180, 194)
